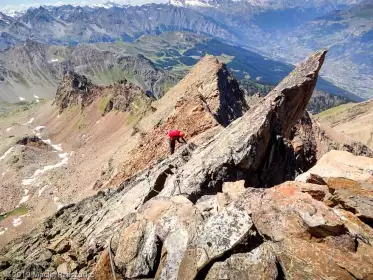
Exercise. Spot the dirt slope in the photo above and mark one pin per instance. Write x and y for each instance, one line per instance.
(354, 120)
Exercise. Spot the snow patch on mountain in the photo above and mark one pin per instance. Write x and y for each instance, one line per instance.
(196, 3)
(3, 230)
(24, 198)
(6, 153)
(4, 18)
(30, 121)
(266, 4)
(19, 10)
(40, 192)
(17, 221)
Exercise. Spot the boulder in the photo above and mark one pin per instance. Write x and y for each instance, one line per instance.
(60, 246)
(286, 212)
(234, 189)
(64, 268)
(317, 191)
(300, 259)
(137, 251)
(221, 233)
(341, 164)
(353, 196)
(260, 263)
(4, 263)
(167, 223)
(175, 247)
(208, 205)
(355, 226)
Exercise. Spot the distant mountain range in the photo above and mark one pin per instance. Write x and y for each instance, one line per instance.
(33, 70)
(349, 36)
(280, 30)
(266, 4)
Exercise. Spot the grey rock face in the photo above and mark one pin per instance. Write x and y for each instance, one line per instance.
(260, 263)
(221, 233)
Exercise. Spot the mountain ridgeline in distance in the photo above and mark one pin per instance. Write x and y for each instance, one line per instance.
(285, 30)
(155, 63)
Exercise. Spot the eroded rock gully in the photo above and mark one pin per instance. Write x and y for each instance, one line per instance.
(197, 215)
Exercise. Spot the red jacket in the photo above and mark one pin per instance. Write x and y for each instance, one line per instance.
(174, 134)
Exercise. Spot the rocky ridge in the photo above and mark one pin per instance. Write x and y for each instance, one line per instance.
(207, 98)
(76, 89)
(196, 215)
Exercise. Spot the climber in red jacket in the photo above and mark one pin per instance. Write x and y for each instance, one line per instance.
(175, 135)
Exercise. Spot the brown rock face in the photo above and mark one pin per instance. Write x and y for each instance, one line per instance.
(304, 260)
(348, 178)
(309, 140)
(260, 263)
(76, 89)
(103, 270)
(127, 97)
(33, 141)
(341, 164)
(354, 197)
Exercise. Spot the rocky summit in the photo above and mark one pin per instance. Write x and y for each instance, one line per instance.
(234, 203)
(206, 100)
(78, 90)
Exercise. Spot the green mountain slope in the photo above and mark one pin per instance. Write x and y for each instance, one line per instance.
(155, 63)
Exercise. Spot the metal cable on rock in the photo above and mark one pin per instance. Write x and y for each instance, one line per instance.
(111, 260)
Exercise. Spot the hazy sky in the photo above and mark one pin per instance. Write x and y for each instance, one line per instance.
(26, 3)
